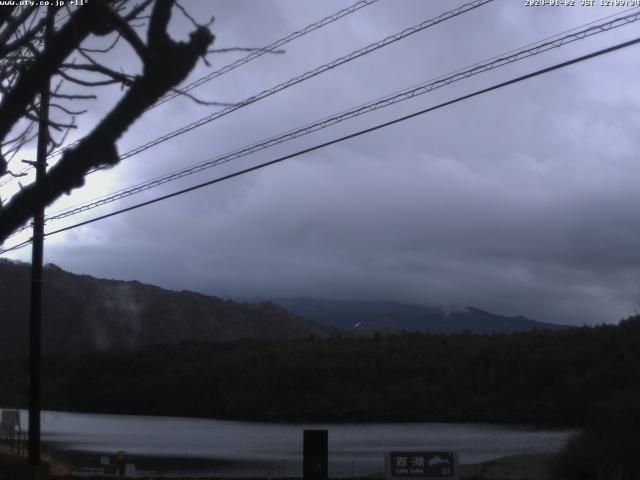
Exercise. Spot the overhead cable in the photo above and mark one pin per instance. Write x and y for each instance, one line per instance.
(383, 102)
(310, 74)
(266, 49)
(237, 63)
(305, 76)
(347, 137)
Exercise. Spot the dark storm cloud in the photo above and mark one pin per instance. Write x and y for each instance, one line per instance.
(521, 201)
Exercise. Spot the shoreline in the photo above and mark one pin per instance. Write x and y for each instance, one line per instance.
(526, 423)
(534, 466)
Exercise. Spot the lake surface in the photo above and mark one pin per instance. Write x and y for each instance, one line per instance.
(218, 447)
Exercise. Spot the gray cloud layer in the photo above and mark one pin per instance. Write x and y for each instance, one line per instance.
(522, 201)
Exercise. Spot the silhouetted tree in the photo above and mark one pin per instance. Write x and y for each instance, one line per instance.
(28, 62)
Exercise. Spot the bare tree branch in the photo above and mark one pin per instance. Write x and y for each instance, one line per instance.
(244, 49)
(66, 110)
(51, 123)
(202, 102)
(117, 77)
(13, 24)
(16, 175)
(137, 10)
(74, 97)
(166, 63)
(130, 35)
(86, 83)
(101, 50)
(32, 78)
(193, 20)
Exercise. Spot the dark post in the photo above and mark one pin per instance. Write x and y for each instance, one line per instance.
(315, 455)
(35, 314)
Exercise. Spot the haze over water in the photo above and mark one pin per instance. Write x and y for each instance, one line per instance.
(236, 448)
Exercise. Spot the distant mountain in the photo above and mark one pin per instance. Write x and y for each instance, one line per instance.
(82, 313)
(368, 317)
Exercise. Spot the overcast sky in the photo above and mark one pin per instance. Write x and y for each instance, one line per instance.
(522, 201)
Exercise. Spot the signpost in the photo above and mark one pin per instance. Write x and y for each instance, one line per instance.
(315, 455)
(11, 418)
(121, 462)
(421, 465)
(10, 430)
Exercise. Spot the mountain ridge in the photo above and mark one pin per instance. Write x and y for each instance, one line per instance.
(82, 313)
(367, 317)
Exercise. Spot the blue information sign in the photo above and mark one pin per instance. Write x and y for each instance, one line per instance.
(421, 464)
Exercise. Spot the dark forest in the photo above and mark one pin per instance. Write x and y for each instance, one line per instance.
(538, 377)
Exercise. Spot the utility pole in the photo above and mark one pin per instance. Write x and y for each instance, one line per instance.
(35, 314)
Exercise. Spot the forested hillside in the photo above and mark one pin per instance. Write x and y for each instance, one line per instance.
(83, 313)
(550, 377)
(365, 318)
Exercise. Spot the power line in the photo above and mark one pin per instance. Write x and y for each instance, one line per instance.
(383, 102)
(310, 74)
(347, 137)
(494, 62)
(232, 66)
(306, 76)
(17, 247)
(23, 172)
(269, 48)
(465, 72)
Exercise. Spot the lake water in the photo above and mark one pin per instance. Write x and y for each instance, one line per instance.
(218, 447)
